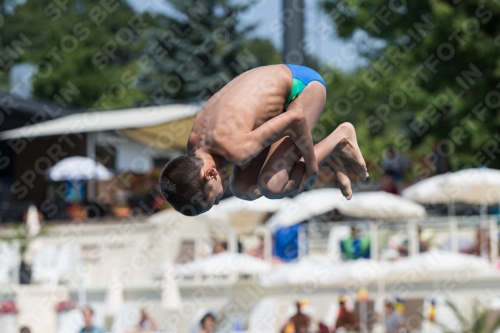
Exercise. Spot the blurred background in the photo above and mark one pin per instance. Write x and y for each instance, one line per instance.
(96, 96)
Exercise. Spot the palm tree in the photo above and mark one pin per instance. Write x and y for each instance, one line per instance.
(479, 322)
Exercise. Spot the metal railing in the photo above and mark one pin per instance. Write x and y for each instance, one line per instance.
(453, 228)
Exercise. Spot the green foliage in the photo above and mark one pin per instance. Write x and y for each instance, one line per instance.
(82, 46)
(477, 323)
(433, 73)
(261, 52)
(196, 51)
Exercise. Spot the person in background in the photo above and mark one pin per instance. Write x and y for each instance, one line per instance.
(258, 250)
(440, 157)
(394, 320)
(395, 164)
(24, 329)
(88, 316)
(218, 248)
(482, 241)
(389, 184)
(355, 246)
(299, 322)
(322, 328)
(423, 246)
(147, 323)
(207, 323)
(346, 319)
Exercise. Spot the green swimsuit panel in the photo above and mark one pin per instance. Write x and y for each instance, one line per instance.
(297, 87)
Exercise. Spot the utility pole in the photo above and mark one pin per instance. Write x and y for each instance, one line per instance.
(293, 28)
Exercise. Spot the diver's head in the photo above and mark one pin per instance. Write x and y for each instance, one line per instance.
(193, 183)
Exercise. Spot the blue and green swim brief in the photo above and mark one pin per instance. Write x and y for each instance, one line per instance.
(301, 77)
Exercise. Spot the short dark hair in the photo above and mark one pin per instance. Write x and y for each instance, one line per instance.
(207, 315)
(182, 185)
(89, 309)
(389, 304)
(25, 329)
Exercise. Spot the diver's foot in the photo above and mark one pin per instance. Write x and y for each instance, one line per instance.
(348, 151)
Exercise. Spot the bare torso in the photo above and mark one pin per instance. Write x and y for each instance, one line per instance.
(244, 104)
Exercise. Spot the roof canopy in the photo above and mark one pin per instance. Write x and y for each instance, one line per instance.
(166, 126)
(105, 121)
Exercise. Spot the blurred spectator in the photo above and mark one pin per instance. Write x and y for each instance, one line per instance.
(218, 248)
(395, 164)
(207, 323)
(24, 273)
(355, 246)
(299, 322)
(346, 319)
(440, 159)
(482, 241)
(394, 320)
(322, 328)
(257, 250)
(24, 329)
(422, 245)
(389, 184)
(147, 323)
(88, 315)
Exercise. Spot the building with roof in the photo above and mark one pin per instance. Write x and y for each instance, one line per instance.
(16, 112)
(136, 140)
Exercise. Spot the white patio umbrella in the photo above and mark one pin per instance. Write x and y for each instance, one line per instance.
(307, 205)
(381, 205)
(32, 221)
(479, 186)
(170, 296)
(262, 204)
(475, 186)
(429, 191)
(78, 168)
(432, 263)
(171, 216)
(324, 272)
(225, 263)
(114, 298)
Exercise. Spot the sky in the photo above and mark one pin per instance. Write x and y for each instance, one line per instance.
(321, 39)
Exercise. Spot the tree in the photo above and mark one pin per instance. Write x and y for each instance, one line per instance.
(83, 48)
(433, 72)
(260, 52)
(195, 51)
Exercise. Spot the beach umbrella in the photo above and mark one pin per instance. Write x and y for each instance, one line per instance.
(305, 206)
(33, 221)
(434, 190)
(324, 272)
(114, 298)
(261, 205)
(431, 190)
(172, 217)
(475, 186)
(170, 296)
(381, 205)
(78, 168)
(225, 263)
(480, 186)
(428, 264)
